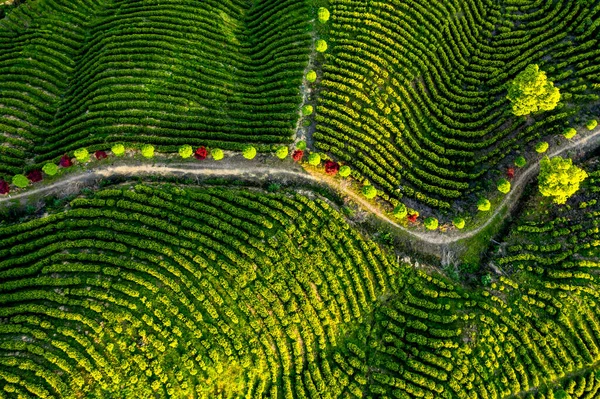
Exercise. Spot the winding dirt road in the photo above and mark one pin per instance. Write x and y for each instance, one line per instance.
(251, 170)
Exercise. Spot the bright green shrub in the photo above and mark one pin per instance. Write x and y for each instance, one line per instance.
(400, 211)
(503, 186)
(569, 133)
(520, 161)
(541, 147)
(20, 181)
(591, 125)
(323, 14)
(307, 110)
(311, 76)
(148, 150)
(282, 152)
(345, 171)
(431, 223)
(249, 152)
(118, 149)
(50, 169)
(217, 154)
(82, 155)
(369, 191)
(484, 204)
(314, 159)
(321, 46)
(186, 151)
(458, 222)
(301, 145)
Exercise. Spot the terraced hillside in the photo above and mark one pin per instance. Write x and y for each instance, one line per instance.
(169, 72)
(413, 93)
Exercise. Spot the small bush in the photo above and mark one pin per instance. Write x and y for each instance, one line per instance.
(148, 150)
(249, 152)
(297, 155)
(541, 147)
(569, 133)
(503, 186)
(431, 223)
(282, 152)
(301, 145)
(591, 125)
(345, 171)
(217, 154)
(65, 161)
(118, 149)
(520, 161)
(331, 167)
(323, 15)
(311, 76)
(458, 222)
(321, 46)
(50, 169)
(201, 153)
(314, 159)
(484, 204)
(20, 181)
(369, 191)
(186, 151)
(35, 176)
(100, 155)
(307, 110)
(400, 211)
(82, 155)
(4, 187)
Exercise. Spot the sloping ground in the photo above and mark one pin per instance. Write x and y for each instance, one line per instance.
(413, 92)
(81, 73)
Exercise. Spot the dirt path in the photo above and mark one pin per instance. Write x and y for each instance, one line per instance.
(250, 169)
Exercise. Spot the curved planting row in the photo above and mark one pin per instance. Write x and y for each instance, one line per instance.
(173, 72)
(158, 291)
(413, 93)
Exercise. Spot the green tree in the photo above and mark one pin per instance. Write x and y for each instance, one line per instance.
(185, 151)
(249, 152)
(282, 152)
(323, 15)
(20, 181)
(431, 223)
(314, 159)
(301, 145)
(520, 161)
(50, 169)
(503, 186)
(591, 125)
(569, 133)
(118, 149)
(148, 150)
(217, 154)
(484, 204)
(311, 76)
(541, 147)
(307, 110)
(345, 171)
(82, 155)
(531, 91)
(458, 222)
(400, 211)
(559, 178)
(369, 191)
(561, 394)
(486, 279)
(321, 46)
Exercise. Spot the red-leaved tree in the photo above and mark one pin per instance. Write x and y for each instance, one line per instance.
(100, 155)
(4, 187)
(34, 176)
(412, 218)
(297, 155)
(510, 173)
(201, 153)
(332, 167)
(65, 161)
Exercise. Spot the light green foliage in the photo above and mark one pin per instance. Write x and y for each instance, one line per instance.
(321, 46)
(314, 159)
(301, 145)
(400, 211)
(249, 152)
(559, 178)
(569, 133)
(503, 186)
(118, 149)
(311, 76)
(282, 152)
(486, 279)
(431, 223)
(185, 151)
(20, 181)
(82, 155)
(217, 154)
(50, 169)
(520, 161)
(148, 150)
(484, 204)
(345, 171)
(591, 125)
(307, 110)
(541, 147)
(458, 222)
(323, 14)
(531, 91)
(369, 191)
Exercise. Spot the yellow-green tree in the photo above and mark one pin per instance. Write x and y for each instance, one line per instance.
(559, 178)
(531, 91)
